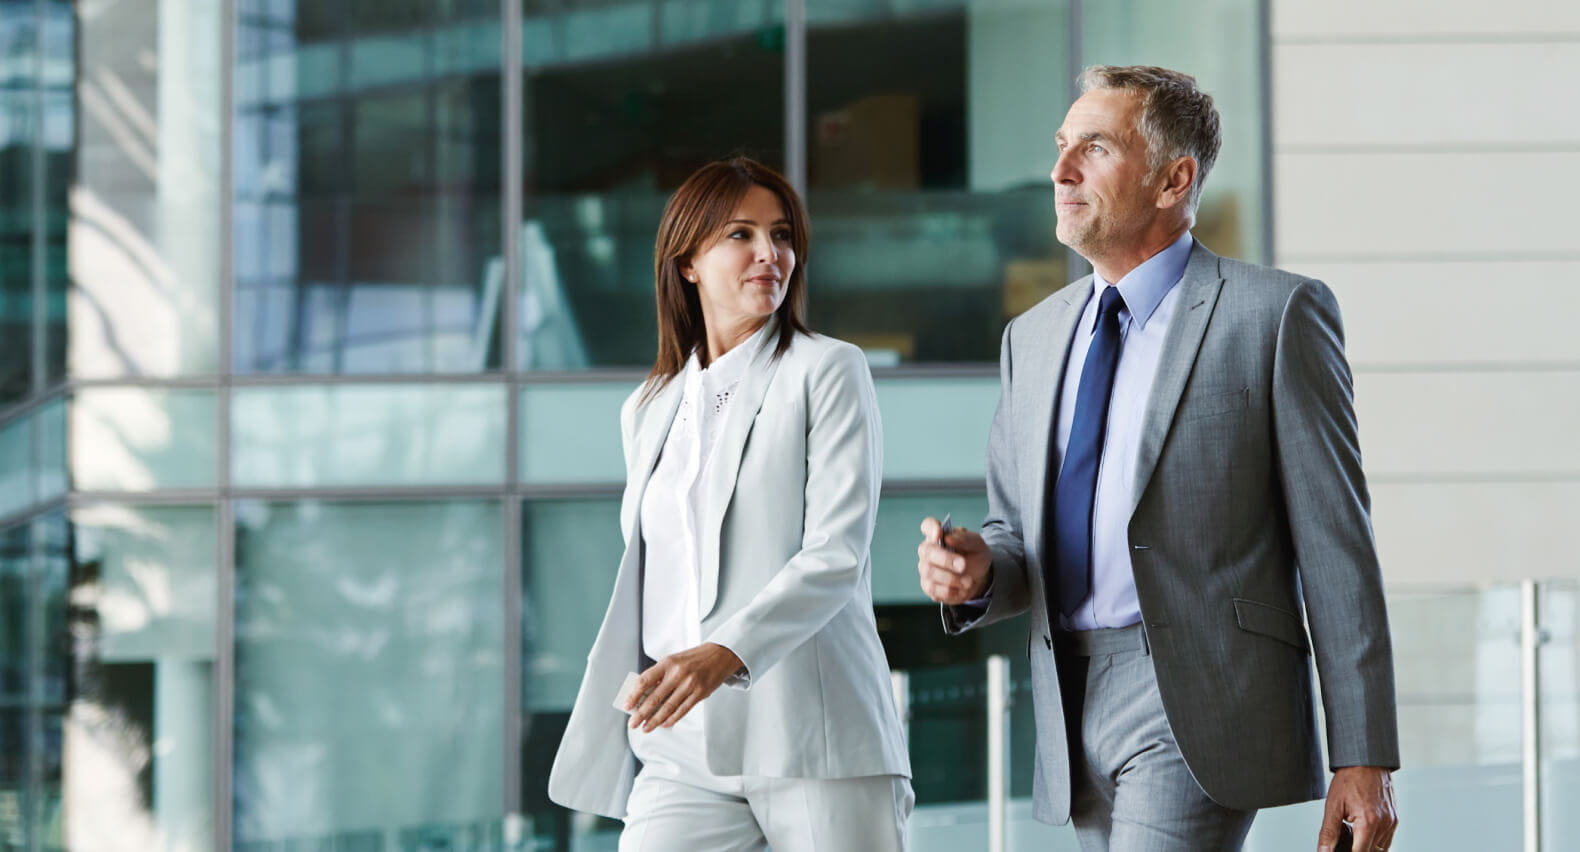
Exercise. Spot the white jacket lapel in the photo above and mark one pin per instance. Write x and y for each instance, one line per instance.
(726, 463)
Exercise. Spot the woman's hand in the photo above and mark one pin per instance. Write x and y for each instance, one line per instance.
(666, 692)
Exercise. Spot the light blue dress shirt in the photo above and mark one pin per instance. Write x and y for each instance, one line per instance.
(1150, 297)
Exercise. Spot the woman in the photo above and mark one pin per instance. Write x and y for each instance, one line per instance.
(762, 714)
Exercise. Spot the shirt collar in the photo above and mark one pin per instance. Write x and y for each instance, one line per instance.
(732, 365)
(1144, 287)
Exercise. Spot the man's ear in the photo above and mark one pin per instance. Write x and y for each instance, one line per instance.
(1178, 177)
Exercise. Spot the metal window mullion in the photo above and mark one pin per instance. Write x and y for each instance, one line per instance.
(511, 90)
(1075, 265)
(1264, 56)
(795, 94)
(224, 696)
(39, 375)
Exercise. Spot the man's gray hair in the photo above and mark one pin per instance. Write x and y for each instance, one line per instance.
(1178, 119)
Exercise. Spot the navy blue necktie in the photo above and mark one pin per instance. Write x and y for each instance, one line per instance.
(1077, 479)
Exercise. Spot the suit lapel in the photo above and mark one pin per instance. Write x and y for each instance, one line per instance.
(1040, 375)
(658, 415)
(725, 464)
(1200, 287)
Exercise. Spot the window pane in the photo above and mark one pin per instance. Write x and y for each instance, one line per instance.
(18, 133)
(894, 540)
(139, 728)
(954, 443)
(60, 140)
(571, 433)
(369, 666)
(144, 236)
(18, 489)
(367, 187)
(561, 612)
(1217, 43)
(51, 631)
(929, 141)
(14, 562)
(623, 101)
(140, 439)
(363, 435)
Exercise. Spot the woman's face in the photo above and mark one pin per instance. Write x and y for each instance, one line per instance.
(741, 275)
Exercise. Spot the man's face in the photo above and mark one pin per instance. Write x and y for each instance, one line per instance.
(1102, 183)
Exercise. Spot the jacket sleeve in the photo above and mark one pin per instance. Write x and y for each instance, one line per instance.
(1319, 462)
(1008, 595)
(844, 470)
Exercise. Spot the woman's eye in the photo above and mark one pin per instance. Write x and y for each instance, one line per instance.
(782, 236)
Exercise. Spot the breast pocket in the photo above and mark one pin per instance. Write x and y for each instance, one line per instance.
(1216, 404)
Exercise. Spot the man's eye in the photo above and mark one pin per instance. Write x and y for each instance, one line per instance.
(1096, 149)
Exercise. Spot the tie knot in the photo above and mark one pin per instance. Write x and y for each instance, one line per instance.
(1110, 303)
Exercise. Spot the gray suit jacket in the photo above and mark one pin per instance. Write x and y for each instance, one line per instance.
(1251, 509)
(785, 582)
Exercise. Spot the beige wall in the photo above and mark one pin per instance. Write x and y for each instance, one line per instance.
(1426, 159)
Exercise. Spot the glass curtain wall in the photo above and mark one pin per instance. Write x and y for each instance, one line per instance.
(333, 551)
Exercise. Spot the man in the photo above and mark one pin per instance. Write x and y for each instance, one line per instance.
(1173, 471)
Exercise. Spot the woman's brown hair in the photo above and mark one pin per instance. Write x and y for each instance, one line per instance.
(694, 216)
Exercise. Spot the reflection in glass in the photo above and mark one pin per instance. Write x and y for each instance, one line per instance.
(570, 553)
(14, 570)
(367, 181)
(137, 749)
(17, 486)
(140, 439)
(934, 221)
(1559, 614)
(18, 124)
(623, 101)
(366, 435)
(369, 645)
(145, 261)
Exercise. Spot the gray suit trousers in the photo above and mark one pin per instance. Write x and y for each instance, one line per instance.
(1131, 790)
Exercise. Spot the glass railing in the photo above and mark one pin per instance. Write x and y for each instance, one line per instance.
(1489, 721)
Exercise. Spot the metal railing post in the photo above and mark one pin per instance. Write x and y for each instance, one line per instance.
(1531, 713)
(900, 684)
(998, 699)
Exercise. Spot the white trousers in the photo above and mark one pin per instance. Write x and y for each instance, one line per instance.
(677, 805)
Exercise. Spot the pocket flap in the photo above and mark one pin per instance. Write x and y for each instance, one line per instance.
(1269, 620)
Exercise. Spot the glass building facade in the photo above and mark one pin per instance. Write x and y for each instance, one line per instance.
(315, 319)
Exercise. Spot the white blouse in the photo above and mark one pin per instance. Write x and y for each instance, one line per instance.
(674, 504)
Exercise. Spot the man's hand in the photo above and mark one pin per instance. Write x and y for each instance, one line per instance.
(957, 572)
(1363, 797)
(667, 691)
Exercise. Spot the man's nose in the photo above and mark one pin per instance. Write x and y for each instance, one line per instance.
(1063, 171)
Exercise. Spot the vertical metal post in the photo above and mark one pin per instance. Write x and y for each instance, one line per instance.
(795, 94)
(1531, 713)
(900, 683)
(512, 168)
(225, 515)
(1264, 55)
(1075, 265)
(998, 752)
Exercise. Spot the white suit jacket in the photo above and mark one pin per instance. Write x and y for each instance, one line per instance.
(785, 582)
